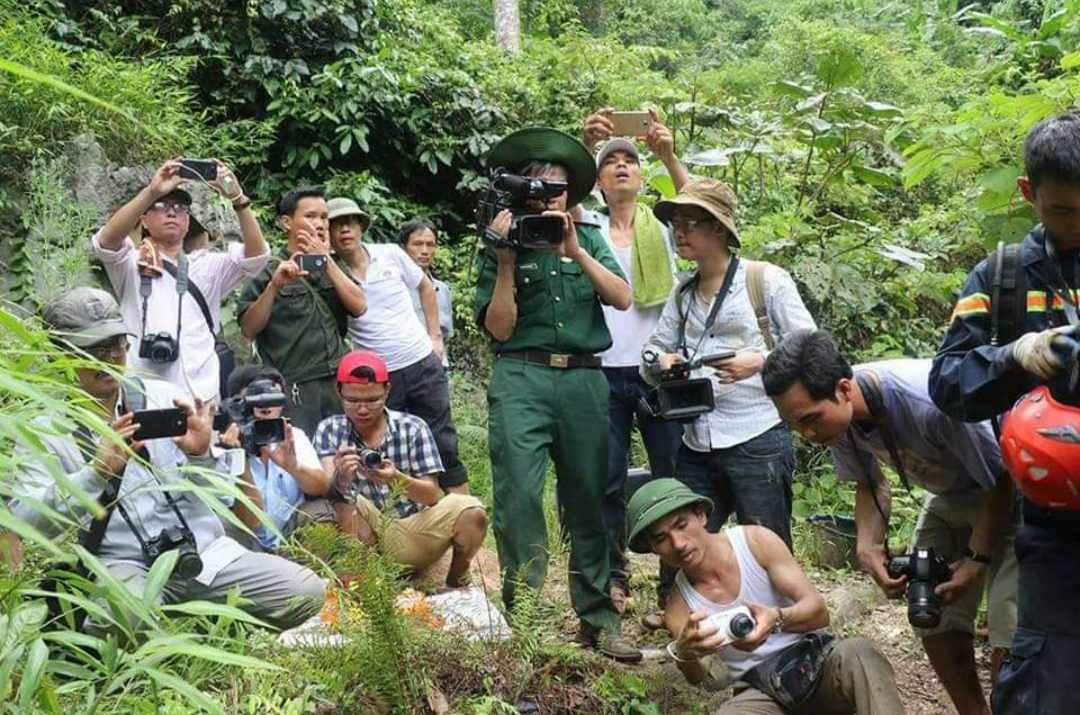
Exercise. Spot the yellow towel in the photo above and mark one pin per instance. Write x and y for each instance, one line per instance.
(650, 264)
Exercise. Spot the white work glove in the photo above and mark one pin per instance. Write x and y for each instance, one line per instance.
(1035, 353)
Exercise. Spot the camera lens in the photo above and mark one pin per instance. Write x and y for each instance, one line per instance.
(189, 565)
(924, 606)
(741, 625)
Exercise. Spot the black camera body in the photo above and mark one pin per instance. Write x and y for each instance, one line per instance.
(254, 433)
(189, 564)
(159, 348)
(925, 570)
(527, 228)
(678, 397)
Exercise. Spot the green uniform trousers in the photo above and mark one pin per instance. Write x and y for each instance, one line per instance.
(535, 411)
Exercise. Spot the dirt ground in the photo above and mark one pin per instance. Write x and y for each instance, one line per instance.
(856, 608)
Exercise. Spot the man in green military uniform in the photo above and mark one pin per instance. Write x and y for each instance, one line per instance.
(547, 393)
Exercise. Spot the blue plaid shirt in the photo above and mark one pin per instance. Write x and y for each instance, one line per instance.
(409, 444)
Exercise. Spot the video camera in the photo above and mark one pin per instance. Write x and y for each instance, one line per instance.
(678, 397)
(925, 570)
(254, 433)
(527, 228)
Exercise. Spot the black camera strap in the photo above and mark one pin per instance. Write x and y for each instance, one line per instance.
(197, 294)
(718, 302)
(146, 286)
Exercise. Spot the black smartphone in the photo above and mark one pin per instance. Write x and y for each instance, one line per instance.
(205, 169)
(312, 262)
(170, 422)
(716, 357)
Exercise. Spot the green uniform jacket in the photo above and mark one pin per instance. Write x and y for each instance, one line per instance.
(304, 337)
(558, 308)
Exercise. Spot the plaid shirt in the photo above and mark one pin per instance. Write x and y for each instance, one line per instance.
(409, 444)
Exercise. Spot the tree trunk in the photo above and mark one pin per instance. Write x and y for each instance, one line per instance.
(508, 25)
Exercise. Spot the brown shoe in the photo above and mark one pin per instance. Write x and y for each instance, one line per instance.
(610, 643)
(653, 621)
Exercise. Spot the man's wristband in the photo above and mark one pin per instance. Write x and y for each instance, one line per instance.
(241, 203)
(675, 655)
(977, 557)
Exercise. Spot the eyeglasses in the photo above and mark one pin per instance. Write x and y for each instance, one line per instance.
(177, 207)
(686, 225)
(117, 347)
(358, 401)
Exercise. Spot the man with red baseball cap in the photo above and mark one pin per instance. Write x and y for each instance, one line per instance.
(372, 451)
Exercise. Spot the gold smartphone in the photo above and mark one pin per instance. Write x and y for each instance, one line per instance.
(629, 124)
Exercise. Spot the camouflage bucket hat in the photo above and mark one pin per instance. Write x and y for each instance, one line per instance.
(84, 316)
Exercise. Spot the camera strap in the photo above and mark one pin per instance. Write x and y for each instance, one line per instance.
(146, 286)
(718, 302)
(195, 293)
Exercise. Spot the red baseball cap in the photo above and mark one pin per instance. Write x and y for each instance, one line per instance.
(356, 359)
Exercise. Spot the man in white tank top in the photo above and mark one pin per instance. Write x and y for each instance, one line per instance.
(750, 567)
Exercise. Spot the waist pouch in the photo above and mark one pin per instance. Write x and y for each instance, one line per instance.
(791, 676)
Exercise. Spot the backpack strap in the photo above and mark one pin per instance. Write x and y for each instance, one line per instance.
(755, 288)
(1008, 294)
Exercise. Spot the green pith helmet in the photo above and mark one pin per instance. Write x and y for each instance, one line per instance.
(653, 502)
(516, 150)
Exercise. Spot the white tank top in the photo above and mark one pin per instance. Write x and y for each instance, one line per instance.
(754, 586)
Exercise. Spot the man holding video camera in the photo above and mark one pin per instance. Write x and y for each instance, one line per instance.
(543, 281)
(413, 350)
(171, 300)
(285, 470)
(744, 610)
(881, 413)
(297, 310)
(386, 468)
(154, 511)
(643, 248)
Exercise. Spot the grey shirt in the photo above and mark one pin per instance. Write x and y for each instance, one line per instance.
(38, 484)
(940, 454)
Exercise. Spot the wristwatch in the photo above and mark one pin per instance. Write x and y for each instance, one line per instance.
(780, 621)
(976, 556)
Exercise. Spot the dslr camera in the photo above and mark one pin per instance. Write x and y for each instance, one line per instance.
(733, 624)
(527, 228)
(678, 397)
(370, 458)
(188, 565)
(159, 348)
(254, 433)
(925, 569)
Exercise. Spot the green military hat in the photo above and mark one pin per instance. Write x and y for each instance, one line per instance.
(653, 502)
(516, 150)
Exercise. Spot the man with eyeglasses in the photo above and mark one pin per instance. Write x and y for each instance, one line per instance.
(171, 300)
(386, 468)
(739, 454)
(642, 245)
(149, 497)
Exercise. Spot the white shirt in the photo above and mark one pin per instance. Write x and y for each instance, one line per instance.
(280, 491)
(215, 272)
(742, 410)
(629, 328)
(140, 491)
(390, 327)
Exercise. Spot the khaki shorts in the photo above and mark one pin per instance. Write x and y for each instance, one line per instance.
(945, 523)
(419, 540)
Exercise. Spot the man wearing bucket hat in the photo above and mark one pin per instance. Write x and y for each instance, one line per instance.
(749, 571)
(881, 413)
(547, 394)
(151, 504)
(644, 249)
(168, 296)
(740, 453)
(413, 350)
(299, 319)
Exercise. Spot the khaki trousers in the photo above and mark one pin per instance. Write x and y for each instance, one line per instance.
(858, 680)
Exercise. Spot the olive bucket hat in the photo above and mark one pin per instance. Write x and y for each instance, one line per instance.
(516, 150)
(712, 195)
(338, 207)
(653, 502)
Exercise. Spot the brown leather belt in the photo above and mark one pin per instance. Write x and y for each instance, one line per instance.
(556, 360)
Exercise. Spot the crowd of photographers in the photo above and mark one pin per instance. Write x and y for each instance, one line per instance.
(346, 418)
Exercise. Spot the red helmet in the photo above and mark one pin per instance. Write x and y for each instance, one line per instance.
(1040, 445)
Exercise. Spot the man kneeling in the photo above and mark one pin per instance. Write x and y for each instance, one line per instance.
(740, 597)
(382, 459)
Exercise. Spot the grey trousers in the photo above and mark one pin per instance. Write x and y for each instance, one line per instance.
(858, 680)
(283, 593)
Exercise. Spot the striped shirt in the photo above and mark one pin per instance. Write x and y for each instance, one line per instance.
(409, 444)
(742, 410)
